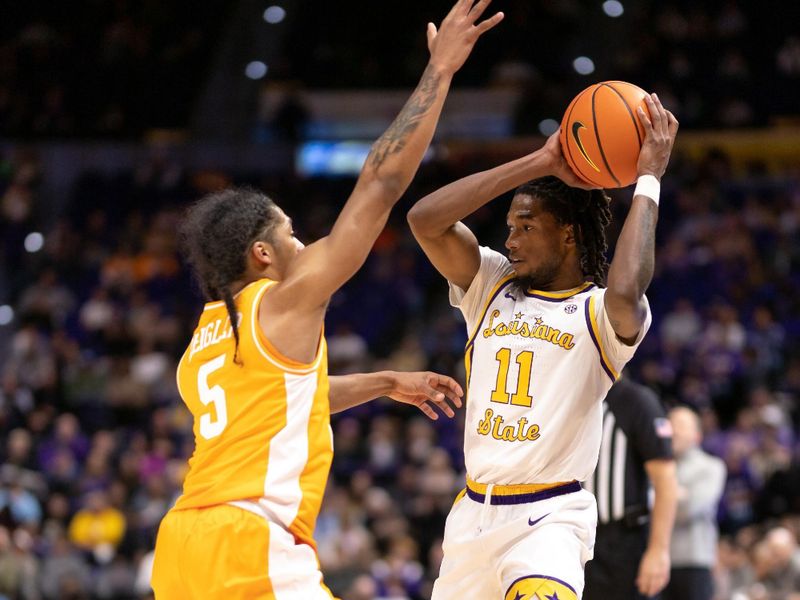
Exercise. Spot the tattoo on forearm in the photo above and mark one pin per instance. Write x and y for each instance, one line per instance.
(394, 139)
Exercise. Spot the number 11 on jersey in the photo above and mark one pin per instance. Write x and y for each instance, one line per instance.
(521, 396)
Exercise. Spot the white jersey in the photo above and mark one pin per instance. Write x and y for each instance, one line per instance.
(538, 367)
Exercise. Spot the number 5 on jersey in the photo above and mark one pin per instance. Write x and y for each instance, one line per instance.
(209, 428)
(521, 396)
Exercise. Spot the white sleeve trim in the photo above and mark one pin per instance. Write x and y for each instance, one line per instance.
(494, 267)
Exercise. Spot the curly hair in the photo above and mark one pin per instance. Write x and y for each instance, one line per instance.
(589, 213)
(216, 234)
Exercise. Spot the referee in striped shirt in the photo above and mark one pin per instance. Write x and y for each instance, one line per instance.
(631, 554)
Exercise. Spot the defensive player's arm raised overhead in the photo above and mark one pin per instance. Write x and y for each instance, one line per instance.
(436, 223)
(300, 298)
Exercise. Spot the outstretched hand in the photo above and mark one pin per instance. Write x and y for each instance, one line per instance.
(452, 43)
(425, 389)
(660, 130)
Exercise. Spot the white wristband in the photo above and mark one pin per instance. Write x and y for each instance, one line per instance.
(648, 185)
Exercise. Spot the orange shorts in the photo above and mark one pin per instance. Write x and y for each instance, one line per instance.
(227, 553)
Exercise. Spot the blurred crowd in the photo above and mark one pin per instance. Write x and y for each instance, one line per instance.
(94, 68)
(96, 311)
(97, 68)
(717, 63)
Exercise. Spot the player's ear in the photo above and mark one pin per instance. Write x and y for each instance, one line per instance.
(262, 253)
(569, 235)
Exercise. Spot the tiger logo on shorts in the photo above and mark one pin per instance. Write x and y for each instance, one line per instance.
(540, 587)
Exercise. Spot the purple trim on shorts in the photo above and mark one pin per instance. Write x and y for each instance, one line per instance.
(567, 488)
(556, 579)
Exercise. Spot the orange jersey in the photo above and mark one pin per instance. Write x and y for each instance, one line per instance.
(262, 431)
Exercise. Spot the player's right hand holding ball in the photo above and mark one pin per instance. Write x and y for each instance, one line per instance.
(660, 130)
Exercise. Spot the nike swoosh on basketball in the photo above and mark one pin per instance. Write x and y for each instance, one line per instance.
(532, 523)
(576, 128)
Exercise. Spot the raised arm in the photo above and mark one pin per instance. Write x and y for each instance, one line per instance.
(435, 220)
(392, 162)
(631, 269)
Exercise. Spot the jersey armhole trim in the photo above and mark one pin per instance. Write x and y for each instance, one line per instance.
(178, 372)
(490, 298)
(594, 333)
(271, 353)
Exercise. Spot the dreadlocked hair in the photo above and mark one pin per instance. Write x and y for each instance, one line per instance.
(589, 213)
(216, 234)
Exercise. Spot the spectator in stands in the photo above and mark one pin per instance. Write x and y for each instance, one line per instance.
(98, 527)
(694, 537)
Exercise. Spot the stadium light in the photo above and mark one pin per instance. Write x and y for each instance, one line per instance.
(274, 14)
(548, 127)
(256, 69)
(583, 65)
(613, 8)
(34, 242)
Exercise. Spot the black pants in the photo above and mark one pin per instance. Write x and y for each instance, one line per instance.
(689, 583)
(611, 574)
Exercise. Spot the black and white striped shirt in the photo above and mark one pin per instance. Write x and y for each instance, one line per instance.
(635, 430)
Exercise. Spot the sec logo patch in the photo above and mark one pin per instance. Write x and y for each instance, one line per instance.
(540, 587)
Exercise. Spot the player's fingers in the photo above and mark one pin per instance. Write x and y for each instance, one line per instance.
(442, 405)
(662, 112)
(431, 393)
(673, 124)
(486, 25)
(431, 32)
(448, 382)
(453, 10)
(446, 409)
(648, 126)
(655, 116)
(428, 411)
(663, 118)
(449, 396)
(462, 6)
(477, 10)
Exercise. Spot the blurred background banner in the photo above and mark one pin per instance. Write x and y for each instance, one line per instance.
(114, 115)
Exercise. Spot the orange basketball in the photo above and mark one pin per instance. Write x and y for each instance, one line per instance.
(601, 134)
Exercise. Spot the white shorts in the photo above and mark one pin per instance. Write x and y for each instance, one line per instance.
(500, 550)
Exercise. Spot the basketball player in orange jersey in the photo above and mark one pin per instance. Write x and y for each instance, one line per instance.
(255, 373)
(547, 340)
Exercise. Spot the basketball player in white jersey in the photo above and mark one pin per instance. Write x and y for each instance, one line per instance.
(548, 335)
